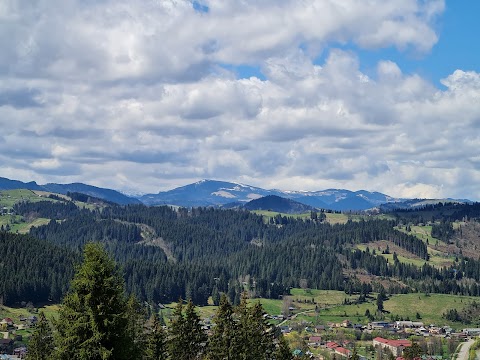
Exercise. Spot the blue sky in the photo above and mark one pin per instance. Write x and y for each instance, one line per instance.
(148, 95)
(457, 48)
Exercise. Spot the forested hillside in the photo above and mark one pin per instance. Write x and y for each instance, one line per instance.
(168, 253)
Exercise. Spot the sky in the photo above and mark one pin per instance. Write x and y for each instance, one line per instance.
(148, 95)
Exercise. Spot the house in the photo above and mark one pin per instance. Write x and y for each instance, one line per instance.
(346, 323)
(297, 353)
(331, 345)
(32, 320)
(343, 352)
(379, 325)
(408, 325)
(7, 321)
(395, 346)
(320, 328)
(314, 341)
(471, 331)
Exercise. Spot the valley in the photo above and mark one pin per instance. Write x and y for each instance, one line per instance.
(313, 268)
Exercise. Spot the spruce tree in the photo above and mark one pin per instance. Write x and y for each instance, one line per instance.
(260, 334)
(413, 351)
(221, 342)
(195, 336)
(135, 314)
(283, 351)
(242, 336)
(156, 343)
(186, 337)
(253, 335)
(176, 332)
(93, 321)
(40, 346)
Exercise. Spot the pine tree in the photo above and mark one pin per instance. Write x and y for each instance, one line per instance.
(135, 314)
(93, 321)
(260, 334)
(241, 344)
(40, 346)
(195, 336)
(283, 351)
(380, 301)
(253, 336)
(187, 338)
(220, 343)
(412, 352)
(176, 332)
(156, 344)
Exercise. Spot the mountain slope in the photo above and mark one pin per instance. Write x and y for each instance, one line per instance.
(7, 184)
(206, 193)
(278, 204)
(101, 193)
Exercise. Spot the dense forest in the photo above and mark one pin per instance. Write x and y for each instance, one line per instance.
(167, 253)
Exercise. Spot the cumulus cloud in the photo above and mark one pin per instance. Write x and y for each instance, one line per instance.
(136, 96)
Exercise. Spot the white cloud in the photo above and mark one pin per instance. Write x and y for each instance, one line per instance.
(136, 96)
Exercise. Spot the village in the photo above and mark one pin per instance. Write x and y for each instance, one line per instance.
(12, 345)
(375, 340)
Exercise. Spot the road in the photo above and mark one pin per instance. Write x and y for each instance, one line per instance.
(294, 316)
(463, 353)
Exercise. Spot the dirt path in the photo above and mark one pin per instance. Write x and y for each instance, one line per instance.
(464, 348)
(294, 316)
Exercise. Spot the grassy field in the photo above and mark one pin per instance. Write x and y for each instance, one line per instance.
(270, 214)
(24, 228)
(332, 218)
(50, 311)
(8, 198)
(424, 233)
(430, 307)
(330, 306)
(437, 258)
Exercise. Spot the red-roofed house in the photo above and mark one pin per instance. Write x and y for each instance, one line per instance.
(8, 321)
(332, 345)
(395, 346)
(314, 341)
(343, 352)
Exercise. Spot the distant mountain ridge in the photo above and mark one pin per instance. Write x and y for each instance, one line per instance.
(226, 194)
(222, 193)
(278, 204)
(101, 193)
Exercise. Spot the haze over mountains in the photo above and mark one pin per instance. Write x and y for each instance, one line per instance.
(226, 194)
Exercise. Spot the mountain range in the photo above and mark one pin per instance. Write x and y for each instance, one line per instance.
(228, 195)
(221, 193)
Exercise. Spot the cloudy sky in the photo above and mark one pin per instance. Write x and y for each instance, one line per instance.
(143, 96)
